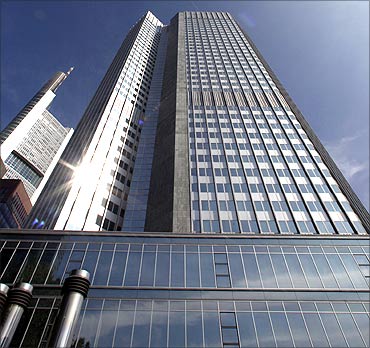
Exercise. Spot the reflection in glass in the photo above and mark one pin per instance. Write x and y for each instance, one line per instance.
(158, 337)
(316, 330)
(298, 329)
(147, 269)
(251, 270)
(124, 329)
(162, 269)
(177, 270)
(246, 330)
(133, 265)
(176, 336)
(281, 329)
(264, 331)
(140, 337)
(281, 271)
(350, 330)
(118, 269)
(194, 329)
(107, 327)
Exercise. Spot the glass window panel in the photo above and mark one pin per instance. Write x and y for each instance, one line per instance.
(59, 265)
(324, 271)
(223, 281)
(192, 270)
(237, 272)
(220, 258)
(177, 270)
(281, 329)
(310, 271)
(298, 329)
(230, 336)
(103, 267)
(29, 266)
(350, 330)
(264, 330)
(295, 271)
(194, 329)
(107, 328)
(140, 337)
(247, 332)
(339, 271)
(221, 269)
(207, 270)
(281, 271)
(14, 266)
(162, 274)
(176, 337)
(211, 329)
(228, 319)
(43, 267)
(90, 262)
(333, 330)
(118, 269)
(267, 274)
(5, 256)
(36, 328)
(354, 272)
(89, 327)
(362, 321)
(133, 266)
(147, 269)
(315, 330)
(124, 329)
(251, 270)
(158, 337)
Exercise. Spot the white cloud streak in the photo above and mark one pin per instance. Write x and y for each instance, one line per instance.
(342, 153)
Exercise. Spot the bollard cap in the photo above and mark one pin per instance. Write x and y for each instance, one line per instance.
(21, 294)
(78, 281)
(80, 273)
(4, 288)
(25, 287)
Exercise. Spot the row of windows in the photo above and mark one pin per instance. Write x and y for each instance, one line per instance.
(153, 267)
(176, 323)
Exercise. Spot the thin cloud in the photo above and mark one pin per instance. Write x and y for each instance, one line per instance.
(342, 153)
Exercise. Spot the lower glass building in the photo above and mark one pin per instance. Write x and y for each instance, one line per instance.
(166, 290)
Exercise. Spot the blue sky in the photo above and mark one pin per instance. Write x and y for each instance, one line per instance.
(319, 50)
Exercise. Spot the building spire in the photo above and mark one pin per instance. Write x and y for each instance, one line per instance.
(70, 70)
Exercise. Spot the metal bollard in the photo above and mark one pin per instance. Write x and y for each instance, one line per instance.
(75, 289)
(18, 299)
(3, 296)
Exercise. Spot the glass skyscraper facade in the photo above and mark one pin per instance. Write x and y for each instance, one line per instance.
(238, 229)
(31, 144)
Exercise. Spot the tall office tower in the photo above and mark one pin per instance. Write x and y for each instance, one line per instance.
(222, 149)
(89, 188)
(15, 204)
(33, 141)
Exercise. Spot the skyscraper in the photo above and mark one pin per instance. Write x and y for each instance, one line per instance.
(89, 188)
(225, 149)
(254, 238)
(33, 141)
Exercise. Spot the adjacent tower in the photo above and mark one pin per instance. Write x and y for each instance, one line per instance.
(89, 188)
(33, 141)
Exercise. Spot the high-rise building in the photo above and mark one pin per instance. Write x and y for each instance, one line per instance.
(33, 141)
(94, 175)
(253, 237)
(15, 204)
